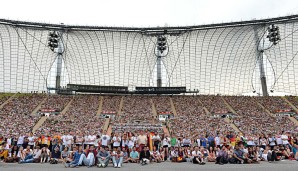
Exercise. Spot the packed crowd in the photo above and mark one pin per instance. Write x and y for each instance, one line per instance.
(293, 100)
(75, 138)
(133, 127)
(136, 108)
(192, 119)
(16, 117)
(56, 102)
(103, 150)
(273, 104)
(4, 97)
(162, 103)
(111, 103)
(254, 120)
(81, 115)
(214, 104)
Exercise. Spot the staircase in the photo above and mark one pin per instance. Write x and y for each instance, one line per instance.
(39, 123)
(228, 106)
(173, 107)
(7, 101)
(101, 98)
(106, 124)
(293, 120)
(205, 109)
(295, 109)
(227, 120)
(154, 111)
(38, 107)
(120, 106)
(291, 104)
(266, 110)
(67, 106)
(165, 130)
(109, 131)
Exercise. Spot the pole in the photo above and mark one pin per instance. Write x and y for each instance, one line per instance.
(59, 65)
(260, 54)
(159, 80)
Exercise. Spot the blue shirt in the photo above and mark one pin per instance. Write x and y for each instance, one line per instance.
(134, 154)
(76, 157)
(203, 142)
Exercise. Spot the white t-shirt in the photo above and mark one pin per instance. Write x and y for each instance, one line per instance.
(104, 140)
(37, 154)
(86, 138)
(31, 140)
(9, 141)
(166, 141)
(199, 142)
(186, 141)
(278, 140)
(91, 138)
(131, 141)
(263, 141)
(284, 139)
(217, 140)
(67, 139)
(156, 137)
(271, 141)
(155, 153)
(21, 140)
(117, 141)
(250, 141)
(124, 142)
(196, 153)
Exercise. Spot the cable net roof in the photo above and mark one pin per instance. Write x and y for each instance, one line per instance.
(214, 59)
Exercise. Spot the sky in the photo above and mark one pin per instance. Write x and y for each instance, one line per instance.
(144, 13)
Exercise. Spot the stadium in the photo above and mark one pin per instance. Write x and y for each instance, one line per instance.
(174, 89)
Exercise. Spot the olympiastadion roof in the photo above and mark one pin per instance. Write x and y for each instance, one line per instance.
(214, 59)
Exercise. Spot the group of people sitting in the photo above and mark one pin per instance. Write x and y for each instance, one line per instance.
(77, 149)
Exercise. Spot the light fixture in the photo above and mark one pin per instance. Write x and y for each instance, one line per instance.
(53, 40)
(273, 34)
(161, 44)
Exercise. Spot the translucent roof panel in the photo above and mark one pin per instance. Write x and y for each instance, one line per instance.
(214, 59)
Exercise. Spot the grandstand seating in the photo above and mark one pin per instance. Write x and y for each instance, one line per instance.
(16, 117)
(80, 116)
(4, 97)
(214, 104)
(273, 103)
(191, 117)
(57, 102)
(136, 108)
(293, 100)
(111, 104)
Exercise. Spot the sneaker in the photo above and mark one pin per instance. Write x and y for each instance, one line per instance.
(115, 165)
(119, 165)
(104, 165)
(98, 165)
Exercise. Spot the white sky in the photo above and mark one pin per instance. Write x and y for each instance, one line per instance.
(141, 13)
